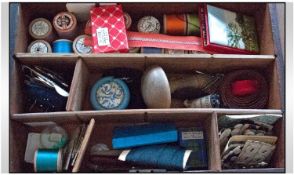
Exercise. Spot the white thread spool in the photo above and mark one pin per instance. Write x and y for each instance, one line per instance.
(41, 28)
(39, 47)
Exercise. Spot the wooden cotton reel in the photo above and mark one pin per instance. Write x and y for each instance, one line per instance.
(65, 23)
(41, 29)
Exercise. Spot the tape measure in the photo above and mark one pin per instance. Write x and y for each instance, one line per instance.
(110, 93)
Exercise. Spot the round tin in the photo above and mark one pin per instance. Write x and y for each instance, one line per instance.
(128, 20)
(65, 23)
(62, 46)
(149, 24)
(41, 28)
(79, 47)
(49, 160)
(39, 46)
(110, 93)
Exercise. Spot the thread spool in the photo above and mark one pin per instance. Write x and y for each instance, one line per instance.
(65, 23)
(148, 50)
(148, 24)
(62, 46)
(39, 46)
(49, 160)
(162, 156)
(110, 93)
(181, 24)
(53, 137)
(79, 46)
(209, 101)
(128, 20)
(41, 29)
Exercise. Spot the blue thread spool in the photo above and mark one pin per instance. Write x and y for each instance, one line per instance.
(48, 160)
(161, 156)
(151, 50)
(110, 93)
(62, 46)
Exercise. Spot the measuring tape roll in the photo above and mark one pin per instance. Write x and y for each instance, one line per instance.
(182, 24)
(39, 46)
(41, 29)
(65, 23)
(128, 20)
(48, 160)
(79, 46)
(110, 93)
(62, 46)
(148, 24)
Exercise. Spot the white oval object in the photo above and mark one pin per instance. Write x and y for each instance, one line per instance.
(155, 88)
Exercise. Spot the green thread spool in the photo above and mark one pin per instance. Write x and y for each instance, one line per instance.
(193, 26)
(48, 160)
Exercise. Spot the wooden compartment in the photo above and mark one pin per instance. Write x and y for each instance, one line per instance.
(87, 69)
(260, 11)
(277, 163)
(62, 65)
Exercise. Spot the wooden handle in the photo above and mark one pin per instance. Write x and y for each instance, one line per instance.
(83, 146)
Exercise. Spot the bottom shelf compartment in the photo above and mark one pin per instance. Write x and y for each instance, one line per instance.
(103, 133)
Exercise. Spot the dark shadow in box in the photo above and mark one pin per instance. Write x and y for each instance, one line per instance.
(62, 66)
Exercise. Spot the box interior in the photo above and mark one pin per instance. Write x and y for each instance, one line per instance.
(258, 10)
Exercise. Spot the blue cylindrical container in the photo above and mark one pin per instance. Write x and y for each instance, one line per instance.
(110, 93)
(48, 160)
(62, 46)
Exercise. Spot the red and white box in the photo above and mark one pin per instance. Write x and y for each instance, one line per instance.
(108, 29)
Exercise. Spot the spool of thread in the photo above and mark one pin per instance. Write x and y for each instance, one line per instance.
(110, 93)
(79, 46)
(88, 28)
(181, 24)
(39, 46)
(128, 20)
(62, 46)
(244, 87)
(209, 101)
(65, 23)
(161, 156)
(41, 29)
(148, 50)
(48, 160)
(148, 24)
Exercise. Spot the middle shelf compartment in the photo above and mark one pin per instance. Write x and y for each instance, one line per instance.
(86, 70)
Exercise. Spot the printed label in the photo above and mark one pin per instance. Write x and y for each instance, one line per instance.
(192, 135)
(103, 36)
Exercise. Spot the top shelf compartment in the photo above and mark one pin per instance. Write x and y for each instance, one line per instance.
(260, 11)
